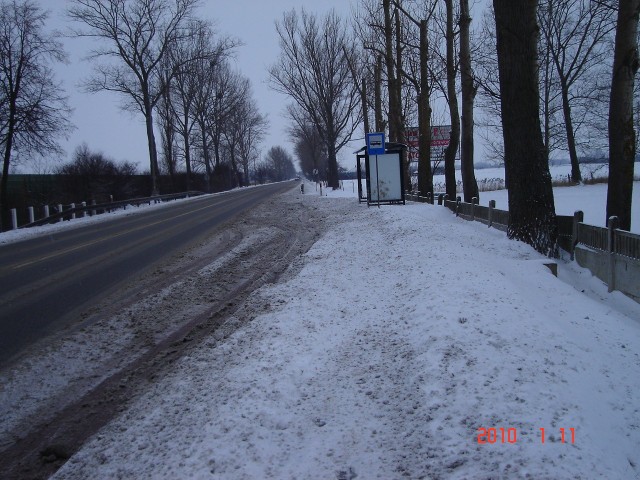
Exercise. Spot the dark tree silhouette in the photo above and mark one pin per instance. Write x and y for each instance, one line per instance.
(532, 216)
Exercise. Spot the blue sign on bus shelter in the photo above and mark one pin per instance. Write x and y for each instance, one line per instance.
(375, 143)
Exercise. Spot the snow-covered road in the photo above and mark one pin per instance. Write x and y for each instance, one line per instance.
(403, 334)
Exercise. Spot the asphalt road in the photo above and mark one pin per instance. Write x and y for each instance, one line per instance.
(46, 282)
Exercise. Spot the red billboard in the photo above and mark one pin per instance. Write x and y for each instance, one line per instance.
(440, 136)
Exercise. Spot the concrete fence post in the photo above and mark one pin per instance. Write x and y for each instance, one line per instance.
(60, 211)
(578, 217)
(32, 217)
(84, 212)
(73, 214)
(492, 205)
(46, 211)
(14, 219)
(474, 202)
(612, 224)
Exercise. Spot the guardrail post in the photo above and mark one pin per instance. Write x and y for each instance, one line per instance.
(14, 219)
(31, 216)
(84, 212)
(93, 212)
(60, 211)
(458, 200)
(474, 202)
(578, 217)
(46, 211)
(73, 214)
(492, 205)
(612, 224)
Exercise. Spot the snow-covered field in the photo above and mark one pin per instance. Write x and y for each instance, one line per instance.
(591, 199)
(407, 338)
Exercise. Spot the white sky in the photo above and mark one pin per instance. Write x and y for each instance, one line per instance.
(121, 135)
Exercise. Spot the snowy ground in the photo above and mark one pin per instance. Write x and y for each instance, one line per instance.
(404, 332)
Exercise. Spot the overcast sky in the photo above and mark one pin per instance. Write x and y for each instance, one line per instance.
(121, 135)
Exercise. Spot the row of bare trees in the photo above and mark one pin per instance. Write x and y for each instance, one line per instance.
(165, 64)
(313, 70)
(162, 59)
(33, 109)
(541, 72)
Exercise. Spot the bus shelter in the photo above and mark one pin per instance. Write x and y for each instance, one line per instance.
(382, 174)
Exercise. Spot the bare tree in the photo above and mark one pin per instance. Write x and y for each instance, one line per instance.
(135, 35)
(622, 144)
(469, 183)
(252, 126)
(308, 146)
(574, 32)
(313, 70)
(531, 206)
(421, 80)
(33, 109)
(233, 128)
(212, 103)
(202, 49)
(489, 88)
(452, 99)
(168, 129)
(204, 102)
(393, 87)
(280, 164)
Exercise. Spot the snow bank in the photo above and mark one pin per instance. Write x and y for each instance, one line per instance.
(404, 333)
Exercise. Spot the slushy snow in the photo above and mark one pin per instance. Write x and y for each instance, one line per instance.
(404, 332)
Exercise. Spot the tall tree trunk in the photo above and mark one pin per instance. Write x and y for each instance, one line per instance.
(365, 106)
(235, 170)
(151, 140)
(187, 159)
(454, 142)
(402, 137)
(546, 106)
(469, 183)
(622, 145)
(394, 107)
(332, 166)
(153, 155)
(205, 154)
(576, 176)
(380, 125)
(8, 146)
(532, 216)
(425, 175)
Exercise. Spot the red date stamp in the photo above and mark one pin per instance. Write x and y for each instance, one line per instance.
(510, 435)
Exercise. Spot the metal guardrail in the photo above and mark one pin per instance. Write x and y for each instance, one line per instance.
(96, 209)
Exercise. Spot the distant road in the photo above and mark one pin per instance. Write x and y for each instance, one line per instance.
(46, 279)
